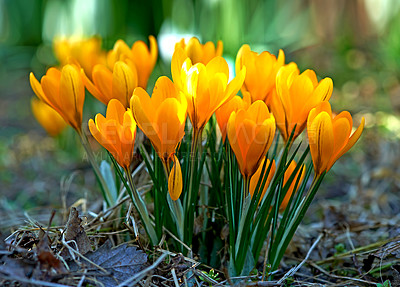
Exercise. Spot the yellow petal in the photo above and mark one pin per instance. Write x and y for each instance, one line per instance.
(218, 65)
(144, 115)
(178, 58)
(163, 89)
(115, 110)
(123, 83)
(321, 139)
(170, 129)
(102, 79)
(175, 180)
(341, 131)
(50, 119)
(353, 139)
(72, 95)
(37, 88)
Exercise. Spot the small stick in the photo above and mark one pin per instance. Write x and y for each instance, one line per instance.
(138, 276)
(293, 270)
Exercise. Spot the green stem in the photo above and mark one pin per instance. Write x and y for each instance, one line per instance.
(189, 206)
(141, 208)
(103, 185)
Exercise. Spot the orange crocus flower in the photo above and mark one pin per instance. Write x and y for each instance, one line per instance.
(143, 58)
(206, 87)
(199, 53)
(250, 133)
(256, 177)
(64, 91)
(86, 51)
(49, 119)
(329, 138)
(288, 173)
(116, 132)
(162, 117)
(261, 70)
(118, 84)
(224, 112)
(296, 94)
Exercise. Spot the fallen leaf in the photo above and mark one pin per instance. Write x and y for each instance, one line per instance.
(121, 263)
(74, 231)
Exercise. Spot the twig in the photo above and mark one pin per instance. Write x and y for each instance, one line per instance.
(138, 276)
(174, 277)
(35, 282)
(177, 239)
(293, 270)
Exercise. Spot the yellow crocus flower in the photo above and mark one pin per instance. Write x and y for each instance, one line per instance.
(199, 53)
(295, 95)
(251, 132)
(143, 58)
(117, 84)
(86, 51)
(206, 87)
(161, 117)
(64, 91)
(116, 132)
(330, 137)
(261, 70)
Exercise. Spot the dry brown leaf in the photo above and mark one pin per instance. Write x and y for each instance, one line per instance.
(121, 263)
(74, 231)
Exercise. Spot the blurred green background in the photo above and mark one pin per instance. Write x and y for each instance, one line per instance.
(356, 43)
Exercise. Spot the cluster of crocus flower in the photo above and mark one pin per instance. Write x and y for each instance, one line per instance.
(275, 95)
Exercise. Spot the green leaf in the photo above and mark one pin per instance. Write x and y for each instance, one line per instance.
(108, 175)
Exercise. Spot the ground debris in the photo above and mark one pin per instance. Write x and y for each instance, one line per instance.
(34, 256)
(112, 265)
(74, 232)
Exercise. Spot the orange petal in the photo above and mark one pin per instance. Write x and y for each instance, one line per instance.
(123, 83)
(175, 180)
(353, 139)
(72, 95)
(115, 110)
(320, 135)
(102, 79)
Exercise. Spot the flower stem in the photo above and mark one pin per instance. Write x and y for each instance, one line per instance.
(192, 192)
(103, 185)
(141, 208)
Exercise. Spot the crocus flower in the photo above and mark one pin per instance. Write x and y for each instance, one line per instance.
(288, 173)
(224, 112)
(261, 70)
(199, 53)
(329, 138)
(206, 87)
(162, 117)
(143, 58)
(64, 91)
(49, 119)
(250, 133)
(118, 84)
(116, 132)
(86, 51)
(256, 177)
(296, 94)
